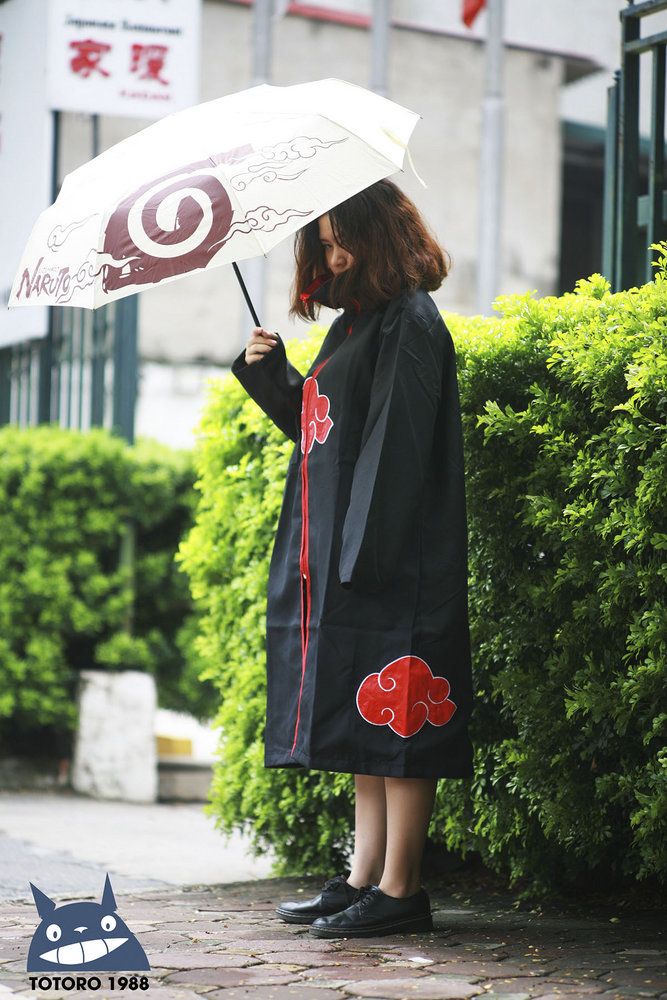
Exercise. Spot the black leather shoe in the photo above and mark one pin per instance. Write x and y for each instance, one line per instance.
(336, 894)
(374, 913)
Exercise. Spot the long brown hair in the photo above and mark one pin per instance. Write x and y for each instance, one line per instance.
(393, 249)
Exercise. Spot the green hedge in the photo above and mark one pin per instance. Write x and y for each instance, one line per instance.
(563, 402)
(64, 499)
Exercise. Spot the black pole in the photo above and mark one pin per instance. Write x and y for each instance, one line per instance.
(245, 292)
(46, 345)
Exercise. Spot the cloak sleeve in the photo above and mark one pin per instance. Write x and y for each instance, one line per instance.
(275, 385)
(395, 451)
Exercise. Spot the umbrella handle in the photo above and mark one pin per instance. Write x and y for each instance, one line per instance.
(245, 292)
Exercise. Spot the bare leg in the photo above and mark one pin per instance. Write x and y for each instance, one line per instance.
(409, 808)
(370, 830)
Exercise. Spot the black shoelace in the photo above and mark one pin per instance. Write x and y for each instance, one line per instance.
(336, 880)
(363, 895)
(359, 894)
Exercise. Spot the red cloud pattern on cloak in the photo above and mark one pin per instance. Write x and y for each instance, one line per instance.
(315, 420)
(404, 695)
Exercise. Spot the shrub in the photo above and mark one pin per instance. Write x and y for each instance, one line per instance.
(64, 603)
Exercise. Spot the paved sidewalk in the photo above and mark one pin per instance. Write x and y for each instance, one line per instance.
(65, 842)
(225, 942)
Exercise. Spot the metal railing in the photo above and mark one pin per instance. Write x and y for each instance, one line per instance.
(632, 221)
(82, 374)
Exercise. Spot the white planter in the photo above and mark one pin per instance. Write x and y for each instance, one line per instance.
(114, 754)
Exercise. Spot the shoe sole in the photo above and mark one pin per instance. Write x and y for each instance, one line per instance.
(302, 918)
(296, 918)
(406, 926)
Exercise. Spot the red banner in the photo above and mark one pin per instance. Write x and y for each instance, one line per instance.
(471, 9)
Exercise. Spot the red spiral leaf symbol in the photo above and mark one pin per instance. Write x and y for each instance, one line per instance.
(171, 225)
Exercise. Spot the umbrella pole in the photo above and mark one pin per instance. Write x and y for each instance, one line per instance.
(245, 292)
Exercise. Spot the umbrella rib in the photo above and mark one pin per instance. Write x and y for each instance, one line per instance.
(365, 141)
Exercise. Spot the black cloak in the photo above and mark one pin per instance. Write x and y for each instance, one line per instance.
(367, 639)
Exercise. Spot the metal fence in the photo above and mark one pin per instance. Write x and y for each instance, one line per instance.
(634, 219)
(82, 374)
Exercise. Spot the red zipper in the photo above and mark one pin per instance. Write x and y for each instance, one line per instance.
(304, 567)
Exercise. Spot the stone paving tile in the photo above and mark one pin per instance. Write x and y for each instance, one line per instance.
(268, 933)
(261, 945)
(658, 961)
(491, 970)
(531, 987)
(290, 992)
(12, 950)
(627, 993)
(369, 946)
(227, 943)
(158, 939)
(242, 932)
(314, 959)
(579, 991)
(650, 978)
(653, 963)
(348, 973)
(428, 988)
(506, 996)
(165, 993)
(215, 909)
(202, 960)
(360, 946)
(424, 949)
(15, 966)
(261, 976)
(194, 927)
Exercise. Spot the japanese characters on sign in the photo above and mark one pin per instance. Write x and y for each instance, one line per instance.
(134, 57)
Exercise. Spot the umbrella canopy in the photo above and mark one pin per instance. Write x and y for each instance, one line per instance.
(217, 183)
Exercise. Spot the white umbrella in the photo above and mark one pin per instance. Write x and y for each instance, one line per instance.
(217, 183)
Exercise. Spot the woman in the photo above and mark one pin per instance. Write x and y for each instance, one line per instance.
(367, 644)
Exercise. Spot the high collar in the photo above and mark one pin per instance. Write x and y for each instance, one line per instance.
(318, 291)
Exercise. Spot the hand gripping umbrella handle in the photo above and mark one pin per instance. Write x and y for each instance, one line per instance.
(245, 292)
